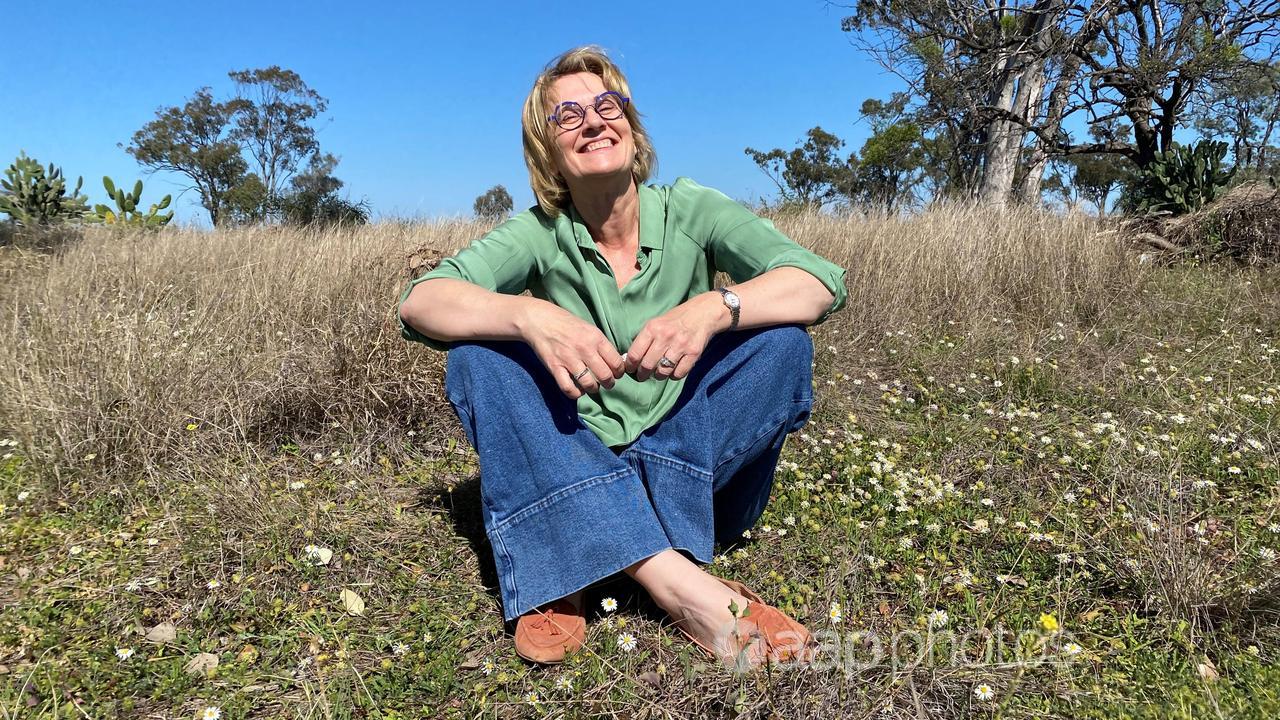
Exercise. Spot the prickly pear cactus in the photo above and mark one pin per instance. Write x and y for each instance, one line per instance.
(126, 211)
(32, 195)
(1183, 180)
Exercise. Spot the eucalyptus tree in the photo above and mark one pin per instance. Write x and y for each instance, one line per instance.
(997, 79)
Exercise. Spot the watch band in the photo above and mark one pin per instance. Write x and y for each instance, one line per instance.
(732, 302)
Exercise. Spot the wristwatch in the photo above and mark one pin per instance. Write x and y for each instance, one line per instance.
(732, 302)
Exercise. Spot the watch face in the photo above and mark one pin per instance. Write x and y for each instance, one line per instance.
(732, 301)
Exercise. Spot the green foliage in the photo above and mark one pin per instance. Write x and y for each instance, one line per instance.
(248, 201)
(273, 120)
(270, 122)
(195, 140)
(890, 167)
(494, 204)
(318, 178)
(33, 195)
(885, 177)
(310, 208)
(812, 174)
(1244, 110)
(314, 199)
(311, 200)
(1181, 180)
(1091, 177)
(126, 211)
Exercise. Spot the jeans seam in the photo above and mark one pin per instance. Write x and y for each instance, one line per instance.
(675, 463)
(773, 428)
(558, 495)
(509, 573)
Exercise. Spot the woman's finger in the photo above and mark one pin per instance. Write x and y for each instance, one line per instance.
(635, 353)
(664, 371)
(684, 367)
(649, 365)
(586, 381)
(617, 366)
(564, 379)
(600, 371)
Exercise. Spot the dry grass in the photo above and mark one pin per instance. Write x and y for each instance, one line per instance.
(266, 336)
(965, 264)
(1044, 400)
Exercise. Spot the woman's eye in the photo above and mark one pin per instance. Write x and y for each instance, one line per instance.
(570, 115)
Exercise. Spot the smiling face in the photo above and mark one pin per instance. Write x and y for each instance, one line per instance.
(597, 148)
(553, 155)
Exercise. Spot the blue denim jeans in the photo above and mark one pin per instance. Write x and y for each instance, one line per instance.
(562, 510)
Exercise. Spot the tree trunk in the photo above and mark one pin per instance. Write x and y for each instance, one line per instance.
(1032, 182)
(1005, 137)
(1003, 140)
(1072, 60)
(1030, 92)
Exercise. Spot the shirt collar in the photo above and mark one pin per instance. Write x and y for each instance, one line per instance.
(653, 221)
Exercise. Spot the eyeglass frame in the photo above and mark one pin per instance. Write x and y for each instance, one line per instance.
(623, 101)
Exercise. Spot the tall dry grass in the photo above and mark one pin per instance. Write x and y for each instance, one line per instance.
(964, 262)
(111, 351)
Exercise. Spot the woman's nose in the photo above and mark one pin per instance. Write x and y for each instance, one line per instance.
(594, 120)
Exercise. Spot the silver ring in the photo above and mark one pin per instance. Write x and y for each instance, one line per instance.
(578, 377)
(664, 362)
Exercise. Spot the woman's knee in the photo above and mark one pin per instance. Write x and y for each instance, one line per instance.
(785, 346)
(482, 361)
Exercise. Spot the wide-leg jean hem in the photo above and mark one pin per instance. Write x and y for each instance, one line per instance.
(573, 538)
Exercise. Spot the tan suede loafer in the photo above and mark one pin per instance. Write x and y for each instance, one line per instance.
(546, 635)
(784, 640)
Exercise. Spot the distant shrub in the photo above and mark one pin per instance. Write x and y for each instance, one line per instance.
(494, 204)
(309, 208)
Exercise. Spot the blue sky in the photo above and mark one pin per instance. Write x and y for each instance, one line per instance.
(711, 78)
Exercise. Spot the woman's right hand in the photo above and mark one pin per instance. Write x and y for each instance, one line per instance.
(566, 344)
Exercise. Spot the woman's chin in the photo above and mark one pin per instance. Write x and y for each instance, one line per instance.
(598, 174)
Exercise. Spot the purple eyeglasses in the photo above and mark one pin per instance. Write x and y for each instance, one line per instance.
(608, 105)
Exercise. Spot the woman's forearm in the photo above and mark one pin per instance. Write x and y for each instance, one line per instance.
(447, 309)
(781, 296)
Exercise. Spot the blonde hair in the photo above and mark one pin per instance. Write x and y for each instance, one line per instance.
(548, 186)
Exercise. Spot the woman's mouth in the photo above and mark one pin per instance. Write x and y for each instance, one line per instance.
(602, 144)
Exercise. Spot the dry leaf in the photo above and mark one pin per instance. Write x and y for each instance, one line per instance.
(473, 660)
(248, 655)
(165, 632)
(1207, 670)
(202, 664)
(317, 555)
(352, 602)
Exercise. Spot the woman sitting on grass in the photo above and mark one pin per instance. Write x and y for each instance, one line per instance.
(628, 415)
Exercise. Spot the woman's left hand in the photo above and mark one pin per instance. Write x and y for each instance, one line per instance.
(680, 335)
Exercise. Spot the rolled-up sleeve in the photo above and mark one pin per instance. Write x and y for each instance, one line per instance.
(501, 261)
(745, 245)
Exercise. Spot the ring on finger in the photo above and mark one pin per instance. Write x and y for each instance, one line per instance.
(578, 377)
(664, 362)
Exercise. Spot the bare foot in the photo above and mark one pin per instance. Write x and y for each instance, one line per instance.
(697, 602)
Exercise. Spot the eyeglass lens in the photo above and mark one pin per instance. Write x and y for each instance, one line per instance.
(570, 114)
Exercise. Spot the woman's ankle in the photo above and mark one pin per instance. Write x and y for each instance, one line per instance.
(663, 575)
